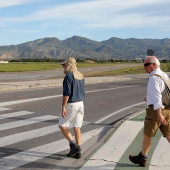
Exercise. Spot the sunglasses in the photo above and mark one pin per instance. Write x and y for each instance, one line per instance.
(147, 64)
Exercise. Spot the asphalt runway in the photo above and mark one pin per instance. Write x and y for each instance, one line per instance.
(57, 73)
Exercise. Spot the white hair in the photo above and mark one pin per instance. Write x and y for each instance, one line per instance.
(153, 59)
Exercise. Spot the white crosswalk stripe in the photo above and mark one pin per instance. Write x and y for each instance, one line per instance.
(160, 155)
(19, 137)
(25, 122)
(109, 151)
(22, 158)
(15, 114)
(122, 139)
(33, 154)
(3, 109)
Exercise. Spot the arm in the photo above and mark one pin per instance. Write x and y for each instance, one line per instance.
(161, 117)
(145, 99)
(156, 97)
(66, 92)
(64, 102)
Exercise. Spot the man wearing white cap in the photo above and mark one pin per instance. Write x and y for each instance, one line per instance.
(72, 112)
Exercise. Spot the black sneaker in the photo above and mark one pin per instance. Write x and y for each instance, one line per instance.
(77, 155)
(73, 150)
(139, 159)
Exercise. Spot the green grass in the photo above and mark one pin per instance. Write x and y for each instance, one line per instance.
(38, 66)
(165, 67)
(31, 66)
(123, 71)
(131, 70)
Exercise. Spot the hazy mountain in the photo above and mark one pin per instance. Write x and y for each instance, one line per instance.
(82, 48)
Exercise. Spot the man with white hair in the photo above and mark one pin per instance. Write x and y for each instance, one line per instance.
(157, 114)
(72, 105)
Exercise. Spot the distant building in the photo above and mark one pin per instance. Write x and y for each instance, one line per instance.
(164, 59)
(3, 62)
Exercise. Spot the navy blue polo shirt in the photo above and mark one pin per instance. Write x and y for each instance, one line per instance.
(73, 88)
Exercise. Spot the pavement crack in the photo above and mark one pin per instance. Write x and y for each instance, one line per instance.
(161, 166)
(101, 160)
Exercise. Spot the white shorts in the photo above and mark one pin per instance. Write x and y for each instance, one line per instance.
(75, 114)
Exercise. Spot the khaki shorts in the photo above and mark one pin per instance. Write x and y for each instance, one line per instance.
(75, 114)
(151, 123)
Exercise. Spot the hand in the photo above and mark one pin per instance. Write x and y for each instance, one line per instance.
(64, 112)
(162, 120)
(145, 99)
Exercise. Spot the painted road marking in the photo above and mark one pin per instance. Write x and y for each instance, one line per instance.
(34, 154)
(115, 147)
(3, 109)
(26, 100)
(30, 121)
(114, 113)
(2, 104)
(161, 156)
(23, 136)
(15, 114)
(19, 137)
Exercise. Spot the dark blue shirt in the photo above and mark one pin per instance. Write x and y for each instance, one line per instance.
(73, 88)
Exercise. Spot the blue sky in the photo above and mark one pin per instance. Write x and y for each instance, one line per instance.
(27, 20)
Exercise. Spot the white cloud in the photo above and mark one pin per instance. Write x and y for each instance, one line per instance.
(23, 30)
(88, 15)
(85, 10)
(10, 3)
(100, 13)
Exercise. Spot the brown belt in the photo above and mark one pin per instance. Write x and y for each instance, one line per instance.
(165, 106)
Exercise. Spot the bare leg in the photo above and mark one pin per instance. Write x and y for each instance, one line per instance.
(168, 138)
(141, 158)
(146, 144)
(67, 134)
(77, 132)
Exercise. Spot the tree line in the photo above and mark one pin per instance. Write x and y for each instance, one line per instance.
(79, 60)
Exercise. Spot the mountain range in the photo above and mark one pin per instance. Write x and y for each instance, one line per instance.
(84, 48)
